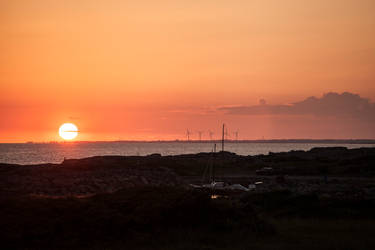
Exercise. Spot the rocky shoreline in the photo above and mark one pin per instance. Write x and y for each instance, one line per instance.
(81, 178)
(329, 172)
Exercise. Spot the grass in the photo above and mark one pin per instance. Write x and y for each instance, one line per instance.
(134, 218)
(317, 233)
(176, 218)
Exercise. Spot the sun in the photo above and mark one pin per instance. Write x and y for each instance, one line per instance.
(68, 131)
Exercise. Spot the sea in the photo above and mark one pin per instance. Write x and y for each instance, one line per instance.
(37, 153)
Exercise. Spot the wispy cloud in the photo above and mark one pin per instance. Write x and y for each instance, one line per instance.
(73, 118)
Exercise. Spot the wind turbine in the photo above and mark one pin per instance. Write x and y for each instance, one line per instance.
(226, 133)
(200, 135)
(210, 133)
(236, 134)
(188, 134)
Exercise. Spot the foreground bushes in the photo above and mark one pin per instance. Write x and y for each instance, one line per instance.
(132, 217)
(286, 204)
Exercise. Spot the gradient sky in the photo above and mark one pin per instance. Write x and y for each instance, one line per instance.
(151, 69)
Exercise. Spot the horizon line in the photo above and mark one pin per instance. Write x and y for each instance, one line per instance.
(358, 141)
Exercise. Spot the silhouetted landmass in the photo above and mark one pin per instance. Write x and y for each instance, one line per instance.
(109, 173)
(308, 141)
(323, 198)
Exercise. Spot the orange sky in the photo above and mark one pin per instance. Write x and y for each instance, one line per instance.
(152, 69)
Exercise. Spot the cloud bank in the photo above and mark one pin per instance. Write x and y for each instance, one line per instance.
(330, 104)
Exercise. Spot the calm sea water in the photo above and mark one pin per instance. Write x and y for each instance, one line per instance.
(24, 153)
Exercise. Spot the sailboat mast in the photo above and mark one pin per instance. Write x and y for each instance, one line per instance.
(213, 164)
(222, 139)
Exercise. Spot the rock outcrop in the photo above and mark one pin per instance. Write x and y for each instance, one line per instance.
(83, 177)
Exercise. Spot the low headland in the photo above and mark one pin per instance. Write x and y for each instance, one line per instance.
(322, 198)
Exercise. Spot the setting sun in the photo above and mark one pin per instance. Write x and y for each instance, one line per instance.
(68, 131)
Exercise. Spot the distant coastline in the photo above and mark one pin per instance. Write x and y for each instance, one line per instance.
(310, 141)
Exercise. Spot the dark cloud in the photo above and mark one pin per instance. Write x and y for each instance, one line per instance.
(330, 104)
(262, 102)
